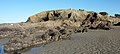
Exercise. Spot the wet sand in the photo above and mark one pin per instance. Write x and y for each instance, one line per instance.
(92, 42)
(3, 41)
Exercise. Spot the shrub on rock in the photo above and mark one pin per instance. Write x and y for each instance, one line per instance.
(117, 15)
(103, 13)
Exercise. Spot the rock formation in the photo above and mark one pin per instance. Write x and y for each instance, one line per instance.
(85, 18)
(57, 24)
(75, 15)
(25, 41)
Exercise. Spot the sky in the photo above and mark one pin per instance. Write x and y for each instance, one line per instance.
(14, 11)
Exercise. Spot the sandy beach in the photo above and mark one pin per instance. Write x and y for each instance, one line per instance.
(92, 42)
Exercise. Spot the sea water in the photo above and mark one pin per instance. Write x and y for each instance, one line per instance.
(1, 49)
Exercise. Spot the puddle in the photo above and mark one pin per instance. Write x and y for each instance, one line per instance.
(31, 49)
(22, 51)
(36, 48)
(2, 49)
(2, 42)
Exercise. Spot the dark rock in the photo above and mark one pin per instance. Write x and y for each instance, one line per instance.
(103, 13)
(51, 34)
(118, 24)
(117, 15)
(81, 29)
(16, 52)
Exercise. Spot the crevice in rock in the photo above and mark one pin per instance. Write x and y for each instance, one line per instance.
(46, 18)
(69, 15)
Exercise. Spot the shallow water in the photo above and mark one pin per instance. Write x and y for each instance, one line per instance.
(32, 49)
(36, 48)
(29, 49)
(2, 49)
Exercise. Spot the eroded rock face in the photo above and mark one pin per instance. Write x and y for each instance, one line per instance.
(94, 21)
(74, 15)
(43, 16)
(85, 18)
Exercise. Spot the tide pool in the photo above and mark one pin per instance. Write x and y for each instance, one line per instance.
(1, 49)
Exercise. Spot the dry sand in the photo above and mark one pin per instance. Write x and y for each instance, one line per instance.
(92, 42)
